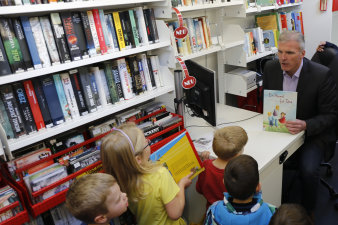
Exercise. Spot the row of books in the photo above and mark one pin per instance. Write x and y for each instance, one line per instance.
(35, 42)
(8, 196)
(176, 3)
(47, 101)
(33, 2)
(198, 38)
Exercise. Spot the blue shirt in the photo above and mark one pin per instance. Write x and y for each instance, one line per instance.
(290, 82)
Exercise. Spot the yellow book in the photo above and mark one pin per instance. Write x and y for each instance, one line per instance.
(119, 32)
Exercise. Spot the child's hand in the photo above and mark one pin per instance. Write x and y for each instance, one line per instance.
(205, 155)
(185, 181)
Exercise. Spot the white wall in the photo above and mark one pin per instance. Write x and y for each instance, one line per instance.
(317, 24)
(334, 36)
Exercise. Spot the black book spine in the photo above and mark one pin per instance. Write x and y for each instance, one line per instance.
(78, 92)
(154, 26)
(79, 32)
(23, 44)
(88, 34)
(117, 80)
(129, 29)
(12, 110)
(124, 28)
(60, 38)
(42, 102)
(135, 73)
(25, 110)
(149, 27)
(5, 69)
(88, 92)
(152, 78)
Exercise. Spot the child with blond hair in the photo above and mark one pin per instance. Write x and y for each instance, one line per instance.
(228, 143)
(96, 199)
(154, 197)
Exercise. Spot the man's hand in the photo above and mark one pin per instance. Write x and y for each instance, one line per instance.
(321, 46)
(295, 126)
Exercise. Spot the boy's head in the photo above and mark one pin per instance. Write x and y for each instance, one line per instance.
(96, 198)
(241, 177)
(229, 142)
(290, 214)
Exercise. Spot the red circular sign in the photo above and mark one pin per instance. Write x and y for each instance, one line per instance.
(188, 82)
(180, 32)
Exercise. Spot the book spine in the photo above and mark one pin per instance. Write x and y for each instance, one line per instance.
(23, 44)
(69, 92)
(136, 36)
(42, 102)
(192, 34)
(60, 37)
(94, 32)
(34, 104)
(80, 34)
(125, 79)
(11, 45)
(136, 74)
(125, 29)
(99, 31)
(95, 90)
(25, 111)
(156, 70)
(72, 41)
(118, 84)
(111, 83)
(99, 85)
(112, 30)
(151, 73)
(149, 27)
(4, 63)
(105, 86)
(140, 68)
(12, 110)
(40, 41)
(62, 97)
(106, 35)
(88, 34)
(143, 58)
(78, 92)
(153, 25)
(141, 26)
(119, 31)
(49, 39)
(87, 90)
(5, 122)
(53, 102)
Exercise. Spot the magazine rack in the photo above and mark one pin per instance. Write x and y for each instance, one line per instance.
(22, 216)
(38, 208)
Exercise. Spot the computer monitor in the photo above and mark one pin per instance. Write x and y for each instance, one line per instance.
(201, 99)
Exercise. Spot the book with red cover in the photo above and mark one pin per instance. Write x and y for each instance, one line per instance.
(99, 30)
(33, 102)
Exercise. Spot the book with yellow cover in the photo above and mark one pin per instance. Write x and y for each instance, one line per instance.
(180, 157)
(119, 32)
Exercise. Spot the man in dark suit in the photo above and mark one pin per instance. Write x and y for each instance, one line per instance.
(316, 109)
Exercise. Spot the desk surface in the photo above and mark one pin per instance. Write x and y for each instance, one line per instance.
(264, 146)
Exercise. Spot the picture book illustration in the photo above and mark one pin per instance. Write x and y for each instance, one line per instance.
(278, 107)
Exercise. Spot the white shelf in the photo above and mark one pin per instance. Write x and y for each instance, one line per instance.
(67, 6)
(102, 112)
(74, 64)
(272, 7)
(232, 44)
(203, 52)
(208, 6)
(260, 55)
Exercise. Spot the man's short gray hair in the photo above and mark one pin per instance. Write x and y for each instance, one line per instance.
(289, 35)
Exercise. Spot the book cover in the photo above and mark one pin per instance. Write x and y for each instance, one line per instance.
(4, 120)
(278, 107)
(129, 28)
(119, 31)
(33, 50)
(80, 34)
(71, 37)
(112, 30)
(69, 92)
(22, 43)
(94, 32)
(87, 89)
(99, 31)
(40, 41)
(135, 74)
(99, 85)
(107, 36)
(136, 36)
(78, 92)
(5, 69)
(34, 105)
(124, 78)
(265, 2)
(126, 29)
(60, 37)
(269, 39)
(142, 75)
(141, 26)
(146, 71)
(105, 85)
(42, 102)
(25, 110)
(12, 110)
(117, 80)
(268, 21)
(49, 39)
(11, 44)
(53, 102)
(62, 97)
(179, 156)
(95, 89)
(198, 34)
(88, 34)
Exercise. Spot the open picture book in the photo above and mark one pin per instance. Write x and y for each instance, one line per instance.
(278, 107)
(180, 157)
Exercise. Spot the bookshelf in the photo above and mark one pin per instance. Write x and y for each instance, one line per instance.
(160, 48)
(259, 9)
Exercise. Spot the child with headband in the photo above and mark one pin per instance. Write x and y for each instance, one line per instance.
(154, 197)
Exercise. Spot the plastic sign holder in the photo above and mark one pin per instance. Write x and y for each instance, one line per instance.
(181, 31)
